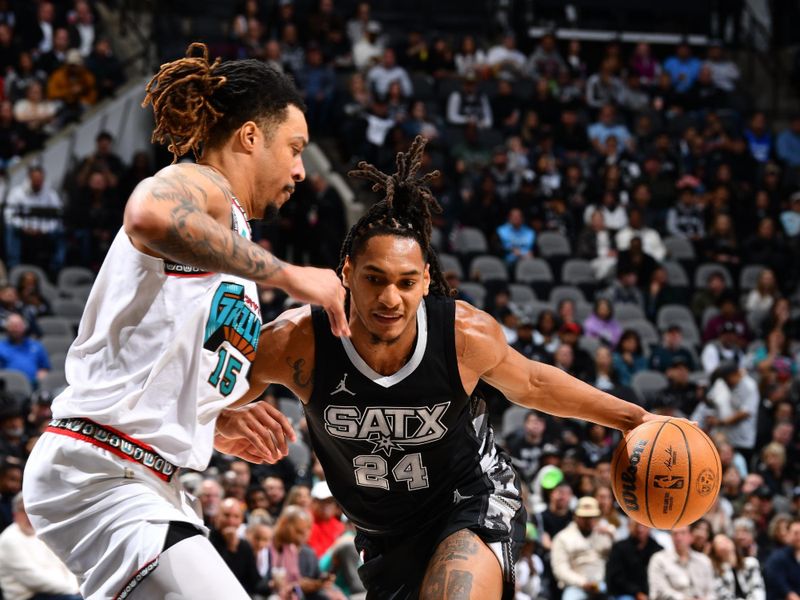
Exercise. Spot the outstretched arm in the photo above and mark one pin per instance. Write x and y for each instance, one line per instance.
(179, 215)
(483, 353)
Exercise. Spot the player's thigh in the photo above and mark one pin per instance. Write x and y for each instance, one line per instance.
(462, 568)
(191, 569)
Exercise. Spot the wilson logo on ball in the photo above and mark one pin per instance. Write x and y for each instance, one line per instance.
(629, 477)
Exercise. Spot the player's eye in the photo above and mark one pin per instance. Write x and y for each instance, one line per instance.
(409, 283)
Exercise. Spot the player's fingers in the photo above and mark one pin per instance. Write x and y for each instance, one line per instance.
(286, 425)
(258, 435)
(279, 438)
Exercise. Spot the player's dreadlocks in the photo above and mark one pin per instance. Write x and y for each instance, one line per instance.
(405, 211)
(198, 103)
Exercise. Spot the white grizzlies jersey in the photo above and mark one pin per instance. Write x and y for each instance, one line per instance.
(161, 349)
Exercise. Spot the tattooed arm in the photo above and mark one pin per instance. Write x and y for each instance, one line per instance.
(183, 214)
(257, 431)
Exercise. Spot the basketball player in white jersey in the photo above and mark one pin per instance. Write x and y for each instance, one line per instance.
(168, 336)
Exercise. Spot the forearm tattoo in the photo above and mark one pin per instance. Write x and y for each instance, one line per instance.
(195, 238)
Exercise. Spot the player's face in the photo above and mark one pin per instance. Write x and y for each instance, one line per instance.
(279, 163)
(387, 281)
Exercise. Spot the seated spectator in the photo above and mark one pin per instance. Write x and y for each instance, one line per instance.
(772, 467)
(235, 551)
(761, 297)
(505, 58)
(83, 27)
(526, 345)
(571, 139)
(73, 85)
(628, 560)
(358, 24)
(780, 317)
(13, 135)
(12, 438)
(419, 122)
(516, 238)
(721, 244)
(652, 244)
(729, 314)
(529, 568)
(318, 84)
(724, 72)
(108, 72)
(637, 261)
(28, 568)
(30, 295)
(624, 289)
(680, 572)
(546, 62)
(614, 215)
(546, 332)
(759, 138)
(506, 107)
(601, 323)
(342, 560)
(767, 248)
(735, 576)
(37, 115)
(607, 126)
(644, 65)
(596, 244)
(24, 74)
(682, 68)
(671, 346)
(470, 58)
(259, 535)
(597, 448)
(709, 296)
(790, 220)
(686, 218)
(369, 48)
(469, 105)
(276, 494)
(52, 59)
(210, 496)
(782, 569)
(731, 408)
(629, 358)
(681, 396)
(787, 145)
(557, 514)
(382, 75)
(604, 377)
(327, 526)
(21, 353)
(525, 445)
(775, 355)
(580, 362)
(603, 88)
(579, 552)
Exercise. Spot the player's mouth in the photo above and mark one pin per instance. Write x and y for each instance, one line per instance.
(386, 318)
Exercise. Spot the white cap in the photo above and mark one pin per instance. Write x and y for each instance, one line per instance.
(321, 491)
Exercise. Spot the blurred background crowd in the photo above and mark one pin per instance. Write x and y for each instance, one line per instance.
(627, 205)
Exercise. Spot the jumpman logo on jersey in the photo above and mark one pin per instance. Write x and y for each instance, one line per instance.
(342, 387)
(458, 498)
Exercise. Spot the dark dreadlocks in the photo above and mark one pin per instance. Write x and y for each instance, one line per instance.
(200, 103)
(405, 211)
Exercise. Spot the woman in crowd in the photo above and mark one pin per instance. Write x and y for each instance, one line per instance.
(629, 358)
(735, 577)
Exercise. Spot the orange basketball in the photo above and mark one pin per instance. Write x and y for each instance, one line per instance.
(666, 474)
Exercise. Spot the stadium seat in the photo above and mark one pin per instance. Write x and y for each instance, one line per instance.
(748, 278)
(706, 269)
(488, 268)
(469, 240)
(292, 409)
(436, 238)
(576, 271)
(552, 243)
(569, 292)
(513, 419)
(582, 311)
(57, 360)
(521, 294)
(679, 248)
(73, 276)
(448, 262)
(627, 311)
(16, 273)
(649, 383)
(76, 292)
(16, 384)
(708, 314)
(535, 308)
(476, 291)
(678, 314)
(55, 326)
(300, 456)
(589, 344)
(69, 308)
(676, 274)
(647, 332)
(54, 381)
(535, 272)
(57, 344)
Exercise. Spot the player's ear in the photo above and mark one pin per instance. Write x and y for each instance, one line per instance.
(426, 280)
(248, 135)
(347, 270)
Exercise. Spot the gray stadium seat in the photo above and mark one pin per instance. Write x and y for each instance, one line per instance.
(57, 326)
(300, 456)
(576, 271)
(676, 274)
(748, 278)
(72, 276)
(552, 243)
(582, 311)
(627, 311)
(291, 408)
(469, 240)
(647, 332)
(69, 308)
(706, 269)
(678, 314)
(76, 292)
(448, 262)
(530, 270)
(649, 383)
(513, 419)
(54, 381)
(589, 344)
(436, 238)
(521, 294)
(708, 314)
(57, 344)
(16, 273)
(570, 292)
(679, 248)
(488, 268)
(57, 360)
(16, 384)
(476, 291)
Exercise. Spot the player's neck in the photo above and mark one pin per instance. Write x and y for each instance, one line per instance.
(225, 164)
(384, 357)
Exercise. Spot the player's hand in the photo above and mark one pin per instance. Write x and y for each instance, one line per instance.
(257, 432)
(322, 287)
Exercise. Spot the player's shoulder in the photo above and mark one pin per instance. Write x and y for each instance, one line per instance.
(199, 184)
(478, 335)
(291, 326)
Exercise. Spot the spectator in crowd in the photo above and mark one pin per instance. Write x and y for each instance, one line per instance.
(709, 297)
(381, 76)
(603, 88)
(259, 535)
(604, 376)
(29, 291)
(546, 334)
(235, 551)
(732, 407)
(652, 244)
(83, 27)
(596, 244)
(10, 303)
(470, 58)
(580, 362)
(735, 576)
(629, 356)
(558, 514)
(724, 72)
(601, 323)
(23, 73)
(210, 497)
(13, 135)
(516, 238)
(276, 494)
(358, 25)
(628, 559)
(624, 289)
(761, 297)
(317, 82)
(525, 445)
(468, 105)
(683, 68)
(504, 57)
(686, 218)
(106, 68)
(782, 569)
(787, 145)
(52, 59)
(607, 126)
(680, 572)
(12, 436)
(34, 212)
(10, 486)
(579, 554)
(293, 55)
(28, 568)
(644, 65)
(21, 353)
(368, 49)
(671, 346)
(681, 396)
(766, 247)
(37, 115)
(729, 318)
(73, 85)
(327, 526)
(546, 62)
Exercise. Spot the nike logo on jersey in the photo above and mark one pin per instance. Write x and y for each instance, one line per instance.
(342, 387)
(387, 428)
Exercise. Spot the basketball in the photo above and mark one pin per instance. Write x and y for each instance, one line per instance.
(666, 474)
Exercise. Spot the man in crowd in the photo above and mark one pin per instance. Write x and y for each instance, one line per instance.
(782, 569)
(327, 526)
(680, 572)
(235, 551)
(21, 353)
(626, 571)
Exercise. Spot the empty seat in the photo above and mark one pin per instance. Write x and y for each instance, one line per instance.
(569, 292)
(58, 326)
(748, 278)
(703, 271)
(76, 292)
(530, 270)
(627, 311)
(649, 383)
(552, 243)
(436, 238)
(469, 240)
(476, 291)
(57, 344)
(676, 274)
(589, 344)
(69, 308)
(679, 248)
(54, 381)
(576, 271)
(300, 456)
(448, 262)
(291, 408)
(677, 314)
(16, 383)
(72, 276)
(488, 268)
(521, 294)
(513, 419)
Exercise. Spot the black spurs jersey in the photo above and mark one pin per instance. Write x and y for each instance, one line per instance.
(400, 451)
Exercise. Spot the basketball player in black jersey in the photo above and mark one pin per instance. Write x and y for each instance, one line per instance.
(407, 451)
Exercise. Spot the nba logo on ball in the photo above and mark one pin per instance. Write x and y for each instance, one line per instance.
(666, 473)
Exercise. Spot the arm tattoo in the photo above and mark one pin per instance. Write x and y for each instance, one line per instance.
(459, 585)
(442, 579)
(193, 237)
(297, 376)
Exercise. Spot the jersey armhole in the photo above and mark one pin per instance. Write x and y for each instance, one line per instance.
(448, 308)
